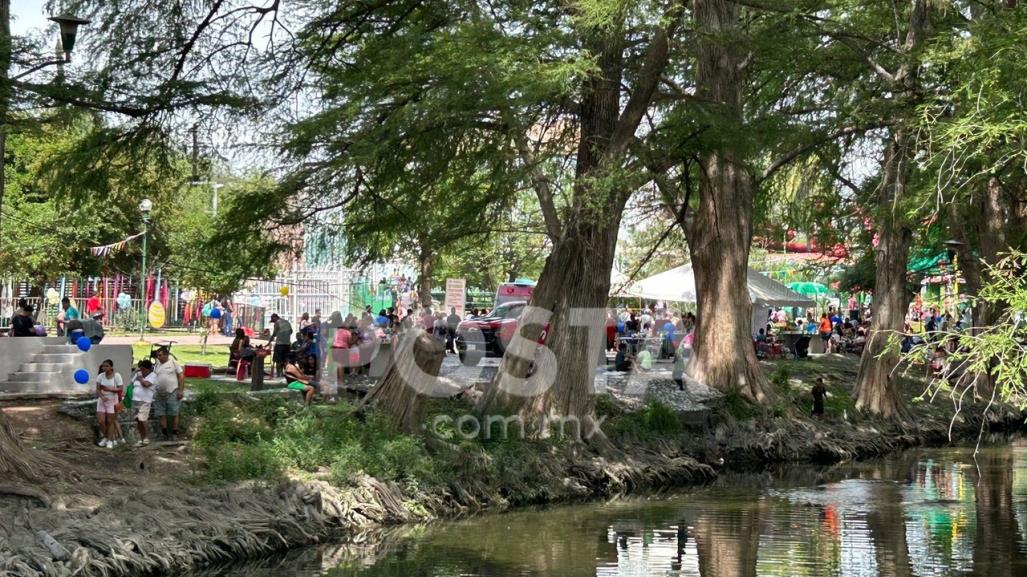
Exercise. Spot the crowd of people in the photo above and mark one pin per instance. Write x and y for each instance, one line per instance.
(300, 355)
(70, 323)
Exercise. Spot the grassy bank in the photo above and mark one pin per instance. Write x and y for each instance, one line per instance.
(215, 355)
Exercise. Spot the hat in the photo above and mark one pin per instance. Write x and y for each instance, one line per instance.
(275, 317)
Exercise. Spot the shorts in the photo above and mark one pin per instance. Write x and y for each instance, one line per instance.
(341, 356)
(281, 354)
(104, 405)
(825, 336)
(140, 411)
(166, 405)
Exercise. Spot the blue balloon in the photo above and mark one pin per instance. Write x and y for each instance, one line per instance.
(215, 313)
(84, 343)
(81, 376)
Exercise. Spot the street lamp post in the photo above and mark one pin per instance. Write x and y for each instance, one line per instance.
(69, 31)
(144, 207)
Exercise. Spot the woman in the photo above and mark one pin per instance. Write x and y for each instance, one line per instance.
(109, 390)
(340, 352)
(825, 332)
(294, 372)
(240, 343)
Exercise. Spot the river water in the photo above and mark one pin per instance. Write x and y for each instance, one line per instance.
(932, 512)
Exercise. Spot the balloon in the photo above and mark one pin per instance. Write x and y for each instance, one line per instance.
(188, 296)
(40, 331)
(84, 344)
(52, 296)
(284, 291)
(81, 376)
(215, 313)
(124, 301)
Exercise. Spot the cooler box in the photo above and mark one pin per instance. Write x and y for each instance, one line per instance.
(197, 371)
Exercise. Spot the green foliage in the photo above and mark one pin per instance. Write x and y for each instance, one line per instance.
(990, 353)
(738, 407)
(267, 439)
(780, 378)
(655, 420)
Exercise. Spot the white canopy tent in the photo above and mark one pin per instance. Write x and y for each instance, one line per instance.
(678, 285)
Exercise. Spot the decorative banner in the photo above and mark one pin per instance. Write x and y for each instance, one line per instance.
(455, 295)
(156, 315)
(113, 248)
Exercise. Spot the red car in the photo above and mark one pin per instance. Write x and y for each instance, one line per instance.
(490, 335)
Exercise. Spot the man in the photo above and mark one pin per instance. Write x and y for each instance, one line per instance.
(281, 335)
(66, 314)
(169, 393)
(452, 322)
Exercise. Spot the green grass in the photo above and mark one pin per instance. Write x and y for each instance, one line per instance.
(217, 355)
(266, 440)
(655, 420)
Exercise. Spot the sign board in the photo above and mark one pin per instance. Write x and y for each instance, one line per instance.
(456, 295)
(155, 315)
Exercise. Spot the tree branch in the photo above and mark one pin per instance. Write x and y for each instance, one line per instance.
(791, 155)
(648, 79)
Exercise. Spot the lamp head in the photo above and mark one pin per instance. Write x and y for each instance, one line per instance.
(145, 206)
(69, 31)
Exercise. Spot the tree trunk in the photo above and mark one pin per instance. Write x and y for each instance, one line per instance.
(720, 231)
(876, 383)
(410, 380)
(997, 539)
(426, 262)
(575, 281)
(886, 523)
(727, 541)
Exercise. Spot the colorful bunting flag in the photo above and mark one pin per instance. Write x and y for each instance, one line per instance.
(113, 248)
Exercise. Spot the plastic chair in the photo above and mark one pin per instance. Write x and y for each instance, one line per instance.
(242, 370)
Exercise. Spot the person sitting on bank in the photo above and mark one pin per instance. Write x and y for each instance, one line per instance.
(294, 372)
(622, 362)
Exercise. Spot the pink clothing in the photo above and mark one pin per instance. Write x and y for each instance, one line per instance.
(342, 338)
(105, 405)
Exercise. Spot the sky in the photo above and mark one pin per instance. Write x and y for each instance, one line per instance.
(28, 14)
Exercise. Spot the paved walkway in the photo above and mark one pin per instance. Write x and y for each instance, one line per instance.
(182, 339)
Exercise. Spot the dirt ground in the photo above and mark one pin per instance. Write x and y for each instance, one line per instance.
(72, 440)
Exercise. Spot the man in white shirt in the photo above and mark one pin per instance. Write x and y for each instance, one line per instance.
(169, 393)
(144, 383)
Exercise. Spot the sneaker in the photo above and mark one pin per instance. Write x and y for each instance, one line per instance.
(145, 442)
(109, 445)
(102, 442)
(139, 444)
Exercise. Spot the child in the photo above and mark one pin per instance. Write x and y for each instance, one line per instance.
(109, 391)
(144, 385)
(819, 392)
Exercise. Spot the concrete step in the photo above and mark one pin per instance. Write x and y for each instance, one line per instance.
(41, 367)
(35, 376)
(19, 387)
(60, 349)
(55, 357)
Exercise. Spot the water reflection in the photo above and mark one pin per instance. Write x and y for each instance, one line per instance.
(929, 513)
